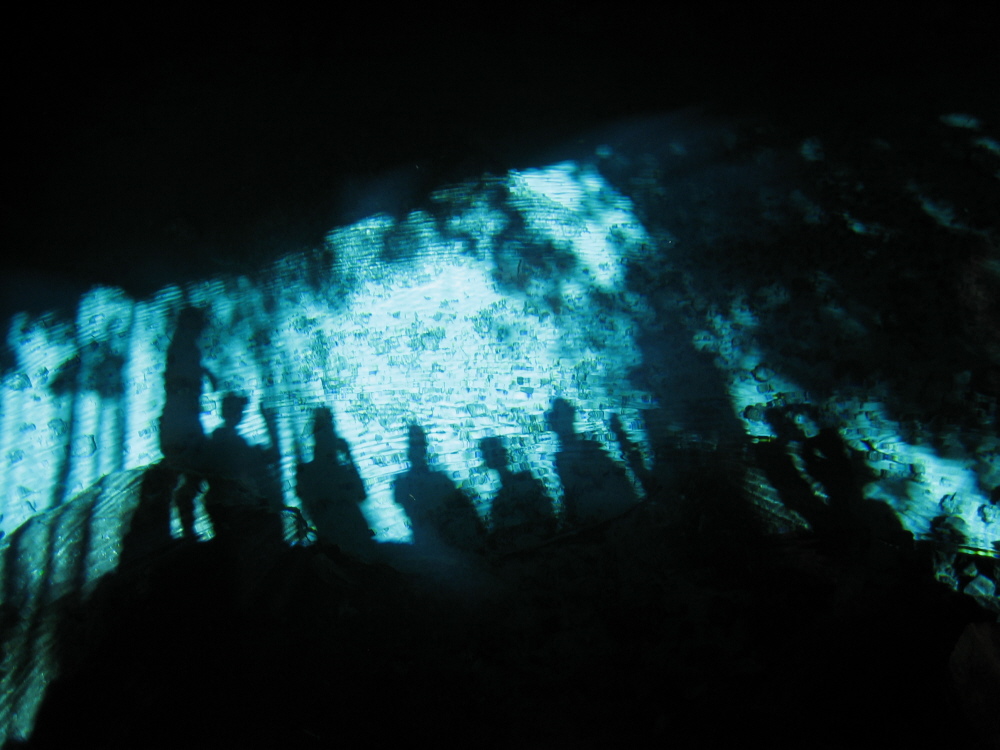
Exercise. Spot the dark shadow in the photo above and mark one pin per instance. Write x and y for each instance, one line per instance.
(439, 513)
(843, 474)
(974, 665)
(248, 536)
(595, 488)
(522, 513)
(65, 383)
(45, 568)
(97, 369)
(17, 610)
(169, 610)
(108, 381)
(774, 458)
(633, 456)
(149, 530)
(331, 489)
(182, 440)
(229, 455)
(844, 518)
(243, 490)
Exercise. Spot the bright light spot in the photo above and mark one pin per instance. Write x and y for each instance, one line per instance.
(467, 329)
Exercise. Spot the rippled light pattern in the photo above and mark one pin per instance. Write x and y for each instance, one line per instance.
(467, 319)
(919, 485)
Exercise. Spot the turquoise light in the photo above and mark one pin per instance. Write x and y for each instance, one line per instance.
(413, 324)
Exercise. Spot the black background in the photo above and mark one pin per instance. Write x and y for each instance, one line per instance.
(160, 145)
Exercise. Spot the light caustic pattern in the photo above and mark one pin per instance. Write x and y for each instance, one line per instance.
(917, 483)
(458, 321)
